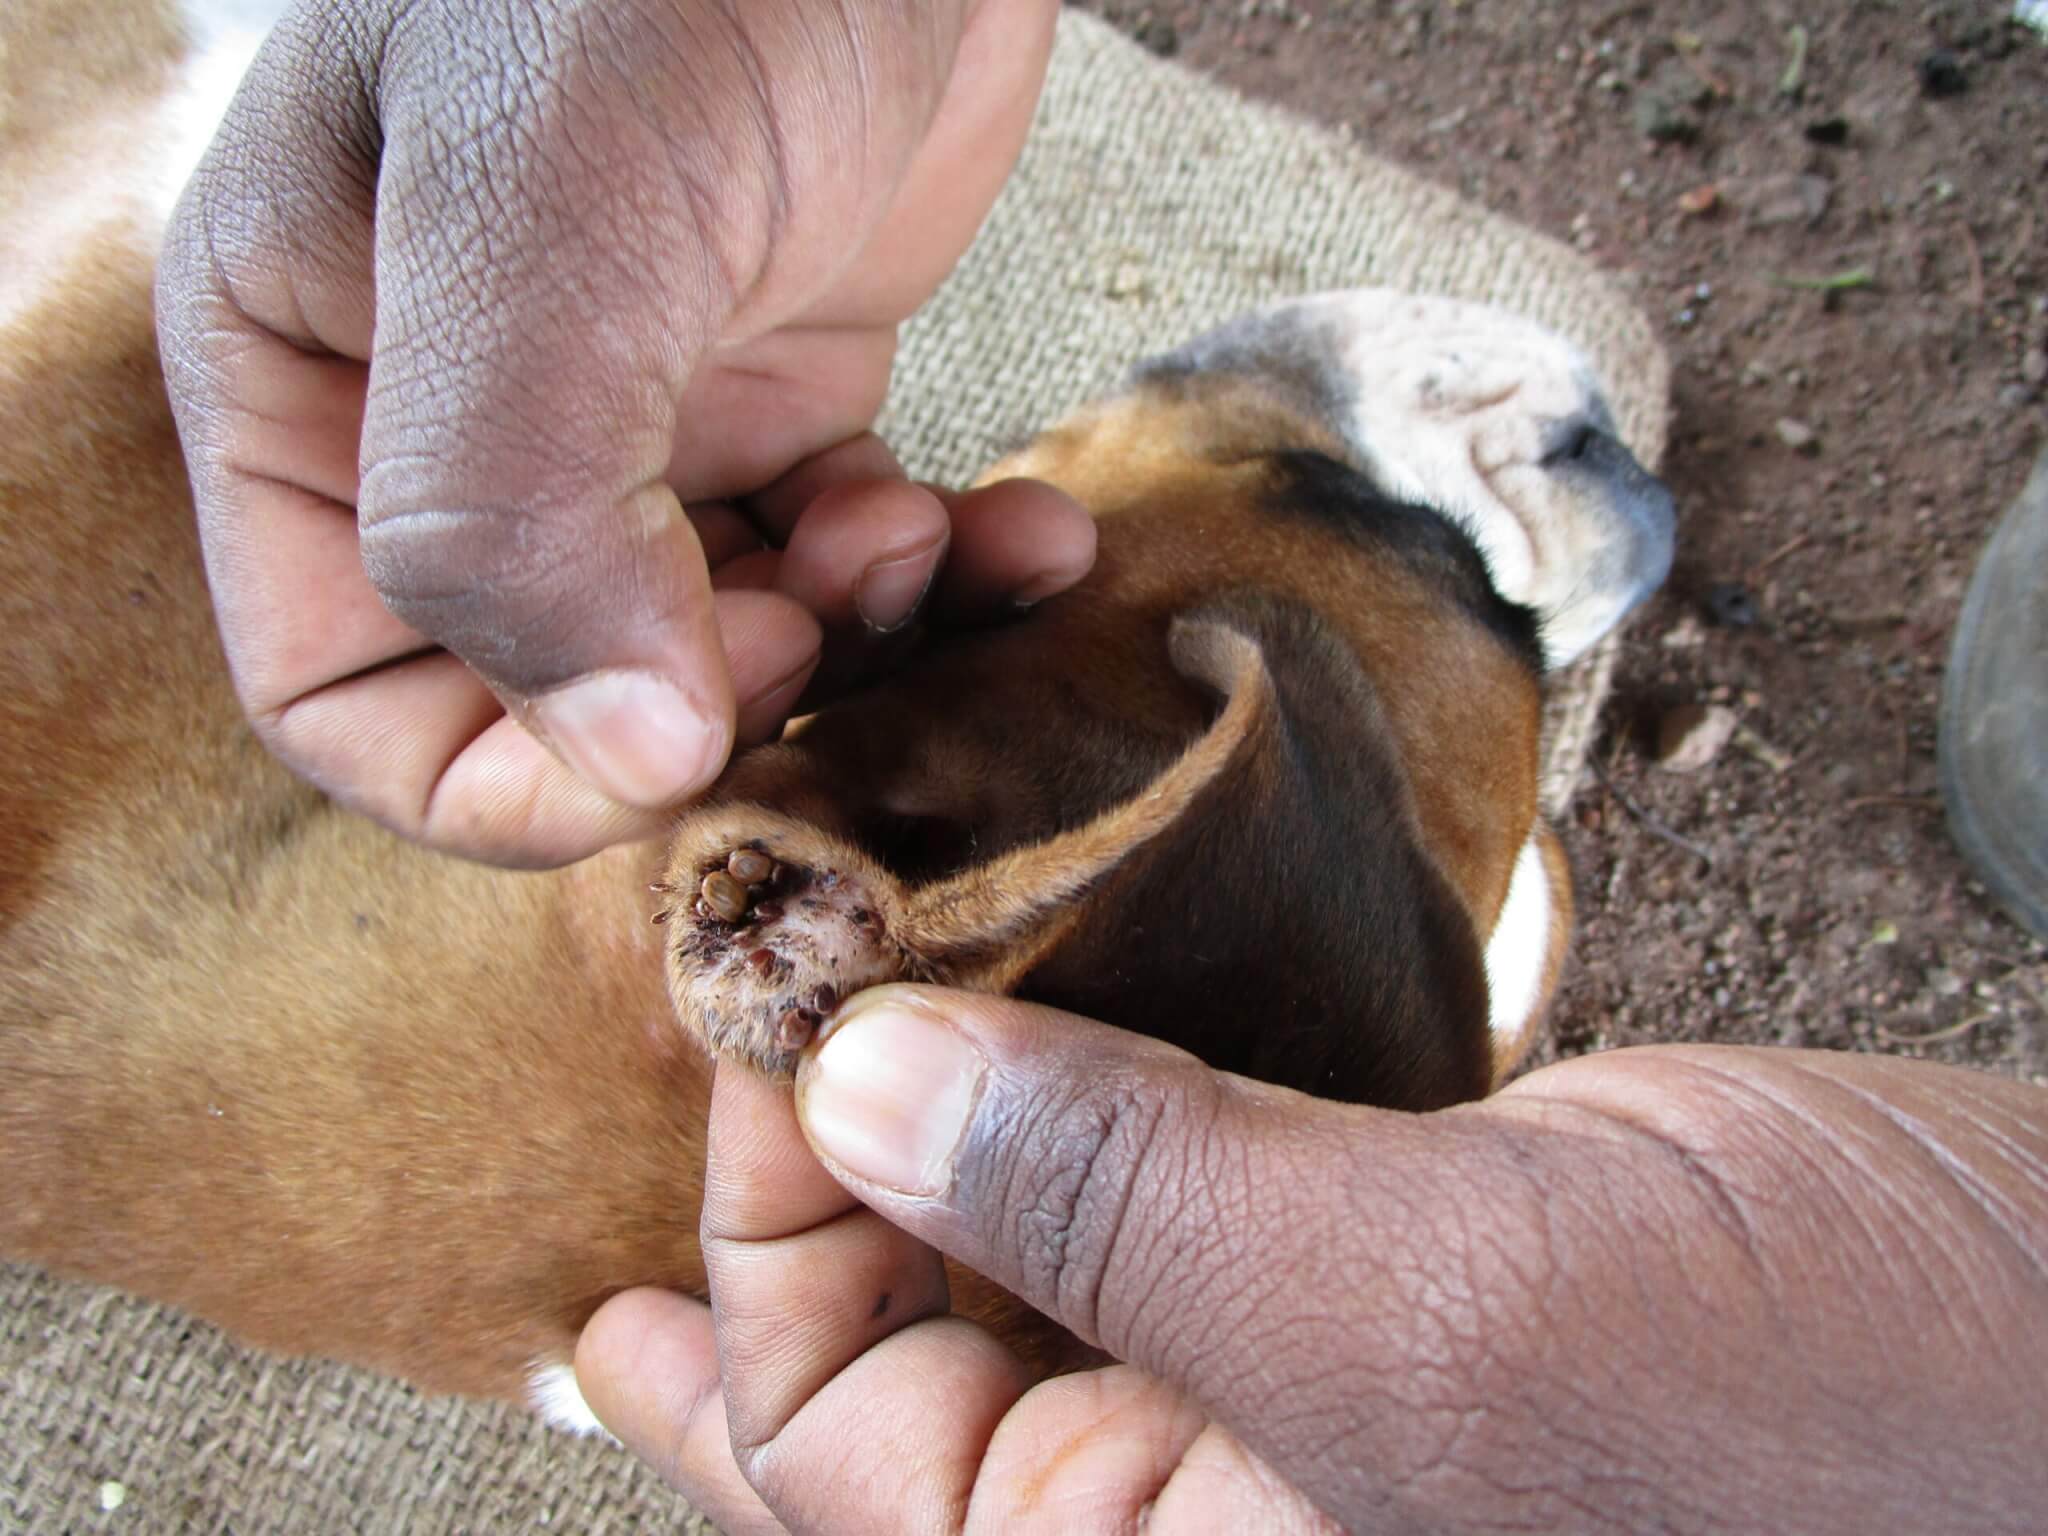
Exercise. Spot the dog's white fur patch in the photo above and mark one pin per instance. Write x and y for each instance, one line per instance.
(1453, 405)
(552, 1391)
(225, 37)
(85, 174)
(1463, 408)
(1519, 949)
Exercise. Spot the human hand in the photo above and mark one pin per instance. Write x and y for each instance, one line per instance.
(1674, 1288)
(464, 307)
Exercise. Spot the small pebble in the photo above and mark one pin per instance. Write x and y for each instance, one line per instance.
(1797, 435)
(1943, 982)
(1687, 634)
(1701, 199)
(1729, 604)
(1941, 74)
(1784, 199)
(1662, 121)
(1158, 35)
(112, 1496)
(1693, 735)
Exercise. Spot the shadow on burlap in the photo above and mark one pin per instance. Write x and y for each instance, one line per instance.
(1148, 205)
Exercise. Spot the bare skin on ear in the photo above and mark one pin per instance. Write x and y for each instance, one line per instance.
(772, 922)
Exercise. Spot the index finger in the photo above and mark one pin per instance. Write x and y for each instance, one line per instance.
(833, 1331)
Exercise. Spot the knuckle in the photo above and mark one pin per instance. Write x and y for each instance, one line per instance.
(508, 591)
(1086, 1180)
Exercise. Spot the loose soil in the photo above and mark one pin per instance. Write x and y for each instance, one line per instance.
(1837, 218)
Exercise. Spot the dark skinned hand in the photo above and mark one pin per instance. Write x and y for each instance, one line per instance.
(1678, 1288)
(523, 357)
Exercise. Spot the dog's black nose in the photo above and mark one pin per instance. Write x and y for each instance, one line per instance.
(1575, 440)
(1634, 503)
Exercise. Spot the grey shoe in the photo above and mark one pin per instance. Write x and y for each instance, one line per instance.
(1994, 712)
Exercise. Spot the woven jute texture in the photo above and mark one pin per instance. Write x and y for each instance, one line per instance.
(1149, 205)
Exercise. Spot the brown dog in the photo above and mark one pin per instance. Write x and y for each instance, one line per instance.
(1264, 785)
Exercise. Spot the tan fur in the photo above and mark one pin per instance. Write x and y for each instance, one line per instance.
(81, 82)
(347, 1097)
(259, 1059)
(264, 1061)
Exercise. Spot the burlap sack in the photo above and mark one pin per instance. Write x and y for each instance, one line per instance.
(1149, 205)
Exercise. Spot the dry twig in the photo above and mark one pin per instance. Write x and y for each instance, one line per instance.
(1975, 297)
(1775, 758)
(1832, 282)
(1937, 1036)
(1797, 542)
(1649, 819)
(1794, 78)
(1914, 802)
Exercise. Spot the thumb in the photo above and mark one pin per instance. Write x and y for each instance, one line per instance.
(1219, 1233)
(1577, 1304)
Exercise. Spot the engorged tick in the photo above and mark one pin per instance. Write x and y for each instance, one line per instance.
(750, 867)
(724, 896)
(794, 1029)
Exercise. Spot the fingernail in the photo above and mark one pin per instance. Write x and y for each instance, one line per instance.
(1040, 587)
(889, 591)
(634, 736)
(762, 717)
(889, 1094)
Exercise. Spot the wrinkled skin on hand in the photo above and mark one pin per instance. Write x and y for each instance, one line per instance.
(466, 305)
(1677, 1288)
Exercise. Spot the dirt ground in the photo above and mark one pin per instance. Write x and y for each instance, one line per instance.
(1837, 217)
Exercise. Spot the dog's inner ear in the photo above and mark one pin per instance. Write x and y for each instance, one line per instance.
(992, 915)
(918, 849)
(1266, 902)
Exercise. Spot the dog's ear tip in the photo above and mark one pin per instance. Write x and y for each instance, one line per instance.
(1216, 641)
(1215, 648)
(1239, 614)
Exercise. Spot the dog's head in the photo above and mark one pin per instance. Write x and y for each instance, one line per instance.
(1484, 417)
(1265, 783)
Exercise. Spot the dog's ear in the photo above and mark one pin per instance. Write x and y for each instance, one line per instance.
(1266, 903)
(990, 924)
